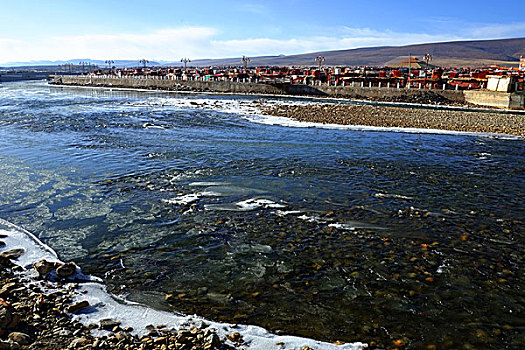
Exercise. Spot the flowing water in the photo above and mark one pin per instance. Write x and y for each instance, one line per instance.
(184, 203)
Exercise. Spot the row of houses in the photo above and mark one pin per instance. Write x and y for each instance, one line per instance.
(412, 76)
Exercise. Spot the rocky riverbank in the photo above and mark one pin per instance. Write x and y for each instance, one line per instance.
(36, 313)
(398, 117)
(47, 304)
(437, 96)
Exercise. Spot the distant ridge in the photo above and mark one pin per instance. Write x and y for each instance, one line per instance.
(459, 53)
(453, 53)
(78, 61)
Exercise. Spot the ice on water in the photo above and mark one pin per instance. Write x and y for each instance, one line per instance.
(246, 205)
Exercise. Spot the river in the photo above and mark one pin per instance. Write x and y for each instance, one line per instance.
(186, 203)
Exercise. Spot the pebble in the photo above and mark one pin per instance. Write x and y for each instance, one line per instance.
(5, 317)
(20, 338)
(5, 262)
(6, 287)
(235, 337)
(108, 323)
(5, 345)
(67, 270)
(13, 253)
(77, 342)
(43, 267)
(78, 306)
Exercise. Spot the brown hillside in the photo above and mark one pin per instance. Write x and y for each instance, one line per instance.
(457, 53)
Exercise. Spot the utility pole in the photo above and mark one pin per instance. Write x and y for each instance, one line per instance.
(83, 64)
(428, 57)
(185, 60)
(245, 60)
(320, 60)
(409, 64)
(144, 62)
(109, 63)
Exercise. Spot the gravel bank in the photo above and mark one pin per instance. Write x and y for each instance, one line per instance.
(401, 117)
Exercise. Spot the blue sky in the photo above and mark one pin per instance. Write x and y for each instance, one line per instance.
(168, 30)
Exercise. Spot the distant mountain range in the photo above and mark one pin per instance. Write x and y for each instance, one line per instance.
(77, 62)
(455, 53)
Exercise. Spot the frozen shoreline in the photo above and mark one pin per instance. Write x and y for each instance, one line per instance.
(138, 317)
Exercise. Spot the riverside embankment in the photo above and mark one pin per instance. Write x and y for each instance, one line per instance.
(366, 93)
(385, 94)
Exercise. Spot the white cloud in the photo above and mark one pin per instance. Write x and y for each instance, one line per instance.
(498, 30)
(166, 44)
(11, 49)
(253, 8)
(162, 44)
(371, 37)
(349, 39)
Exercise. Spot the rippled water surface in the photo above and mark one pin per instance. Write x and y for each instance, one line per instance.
(182, 203)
